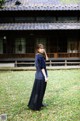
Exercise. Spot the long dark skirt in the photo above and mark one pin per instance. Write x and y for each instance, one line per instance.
(37, 94)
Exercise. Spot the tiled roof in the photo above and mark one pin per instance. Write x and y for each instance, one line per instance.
(40, 26)
(10, 5)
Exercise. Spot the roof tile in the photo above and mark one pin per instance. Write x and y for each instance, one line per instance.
(39, 26)
(40, 5)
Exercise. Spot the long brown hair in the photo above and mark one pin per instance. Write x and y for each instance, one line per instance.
(38, 46)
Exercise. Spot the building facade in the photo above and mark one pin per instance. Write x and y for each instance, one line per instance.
(25, 23)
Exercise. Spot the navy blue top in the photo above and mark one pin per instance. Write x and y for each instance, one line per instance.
(40, 64)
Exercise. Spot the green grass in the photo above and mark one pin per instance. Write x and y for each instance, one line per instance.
(62, 96)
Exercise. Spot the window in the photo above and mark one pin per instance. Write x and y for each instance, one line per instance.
(45, 19)
(79, 47)
(30, 44)
(67, 19)
(20, 45)
(6, 20)
(24, 19)
(72, 46)
(1, 46)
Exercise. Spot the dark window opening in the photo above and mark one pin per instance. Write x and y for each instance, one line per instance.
(39, 19)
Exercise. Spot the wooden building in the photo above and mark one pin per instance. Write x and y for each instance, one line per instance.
(24, 23)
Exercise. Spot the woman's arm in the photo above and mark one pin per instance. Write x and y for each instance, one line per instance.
(44, 73)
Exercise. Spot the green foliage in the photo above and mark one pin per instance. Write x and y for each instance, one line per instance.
(62, 96)
(1, 2)
(70, 1)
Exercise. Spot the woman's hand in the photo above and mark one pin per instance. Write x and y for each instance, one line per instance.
(44, 73)
(46, 79)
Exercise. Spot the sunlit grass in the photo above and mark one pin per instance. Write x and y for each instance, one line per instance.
(62, 96)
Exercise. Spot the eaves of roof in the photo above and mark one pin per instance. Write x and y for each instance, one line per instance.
(39, 26)
(41, 8)
(38, 5)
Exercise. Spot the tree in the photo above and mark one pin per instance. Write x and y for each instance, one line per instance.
(70, 1)
(1, 2)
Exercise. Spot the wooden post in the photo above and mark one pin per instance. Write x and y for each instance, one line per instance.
(65, 62)
(15, 63)
(50, 63)
(55, 55)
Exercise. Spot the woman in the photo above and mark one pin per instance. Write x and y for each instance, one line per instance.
(41, 77)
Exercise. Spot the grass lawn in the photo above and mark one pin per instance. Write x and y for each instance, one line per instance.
(62, 96)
